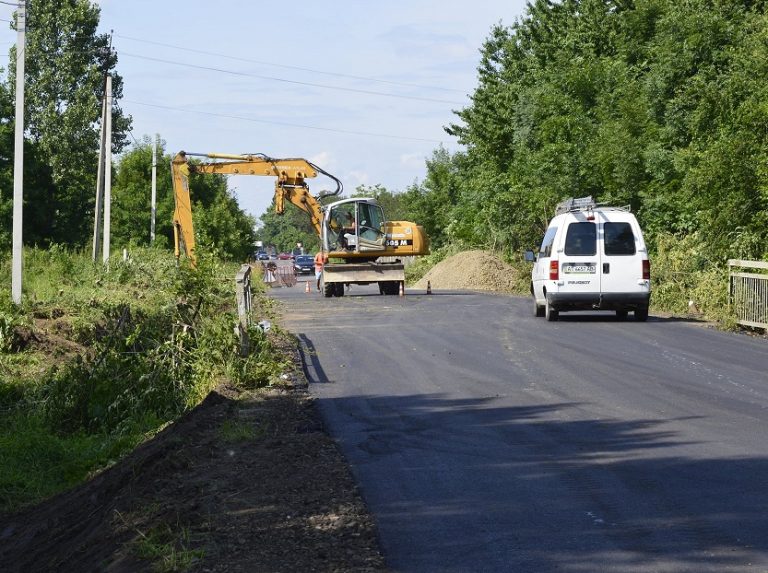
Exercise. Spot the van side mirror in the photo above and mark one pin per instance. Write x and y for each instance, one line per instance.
(530, 257)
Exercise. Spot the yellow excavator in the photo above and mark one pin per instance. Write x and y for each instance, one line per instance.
(353, 231)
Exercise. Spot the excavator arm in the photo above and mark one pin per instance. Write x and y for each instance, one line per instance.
(290, 186)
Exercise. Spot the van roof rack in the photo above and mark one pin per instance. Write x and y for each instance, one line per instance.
(571, 204)
(584, 204)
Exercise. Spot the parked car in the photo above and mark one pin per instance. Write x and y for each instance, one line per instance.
(591, 258)
(303, 264)
(285, 256)
(262, 256)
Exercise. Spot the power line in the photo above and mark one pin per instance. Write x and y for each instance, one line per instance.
(302, 69)
(271, 78)
(286, 124)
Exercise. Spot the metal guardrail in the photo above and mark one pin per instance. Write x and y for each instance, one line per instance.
(748, 292)
(243, 293)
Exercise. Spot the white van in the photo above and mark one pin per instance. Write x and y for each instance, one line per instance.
(591, 258)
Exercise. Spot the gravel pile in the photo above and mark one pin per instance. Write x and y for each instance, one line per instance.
(471, 270)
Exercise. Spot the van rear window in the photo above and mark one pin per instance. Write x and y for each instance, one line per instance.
(619, 239)
(581, 239)
(546, 242)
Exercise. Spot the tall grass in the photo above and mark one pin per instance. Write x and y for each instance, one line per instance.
(99, 357)
(686, 279)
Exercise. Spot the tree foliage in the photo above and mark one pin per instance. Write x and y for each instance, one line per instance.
(657, 104)
(65, 63)
(220, 224)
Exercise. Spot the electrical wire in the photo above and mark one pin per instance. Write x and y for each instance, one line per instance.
(288, 67)
(271, 78)
(286, 124)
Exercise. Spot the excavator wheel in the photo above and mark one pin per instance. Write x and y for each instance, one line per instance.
(329, 289)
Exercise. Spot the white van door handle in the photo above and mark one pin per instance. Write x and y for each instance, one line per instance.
(606, 268)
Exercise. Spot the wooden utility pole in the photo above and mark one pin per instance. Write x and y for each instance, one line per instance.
(18, 159)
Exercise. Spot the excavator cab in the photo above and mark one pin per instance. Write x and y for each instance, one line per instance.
(354, 226)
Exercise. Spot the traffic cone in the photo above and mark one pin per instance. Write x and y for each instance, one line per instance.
(306, 288)
(429, 287)
(402, 290)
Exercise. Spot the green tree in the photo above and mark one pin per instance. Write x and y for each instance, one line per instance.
(219, 222)
(65, 63)
(284, 231)
(132, 197)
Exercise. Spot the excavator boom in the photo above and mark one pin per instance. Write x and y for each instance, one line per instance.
(290, 186)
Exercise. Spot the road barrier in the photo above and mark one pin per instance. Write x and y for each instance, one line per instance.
(279, 276)
(748, 292)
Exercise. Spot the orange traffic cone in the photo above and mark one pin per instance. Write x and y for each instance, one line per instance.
(306, 288)
(429, 287)
(402, 290)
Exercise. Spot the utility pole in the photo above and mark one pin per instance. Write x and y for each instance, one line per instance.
(99, 182)
(154, 191)
(107, 172)
(18, 159)
(100, 170)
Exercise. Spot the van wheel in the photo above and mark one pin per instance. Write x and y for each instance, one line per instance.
(550, 313)
(621, 315)
(538, 310)
(641, 314)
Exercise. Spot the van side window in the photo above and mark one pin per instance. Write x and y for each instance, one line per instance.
(581, 239)
(546, 242)
(619, 239)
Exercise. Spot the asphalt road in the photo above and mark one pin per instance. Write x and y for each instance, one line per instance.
(485, 439)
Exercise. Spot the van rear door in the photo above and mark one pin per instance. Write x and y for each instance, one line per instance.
(621, 266)
(580, 257)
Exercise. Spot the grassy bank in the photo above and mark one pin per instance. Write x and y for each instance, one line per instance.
(99, 358)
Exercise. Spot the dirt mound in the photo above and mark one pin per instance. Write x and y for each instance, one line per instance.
(471, 270)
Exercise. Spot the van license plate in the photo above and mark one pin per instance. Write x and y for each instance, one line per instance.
(579, 268)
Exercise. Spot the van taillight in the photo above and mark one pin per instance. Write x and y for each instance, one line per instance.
(647, 270)
(553, 271)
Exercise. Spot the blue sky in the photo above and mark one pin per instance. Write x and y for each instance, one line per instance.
(363, 89)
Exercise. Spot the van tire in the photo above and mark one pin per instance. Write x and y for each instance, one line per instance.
(538, 310)
(641, 314)
(550, 313)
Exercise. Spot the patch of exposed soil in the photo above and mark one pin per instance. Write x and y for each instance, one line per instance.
(240, 483)
(470, 270)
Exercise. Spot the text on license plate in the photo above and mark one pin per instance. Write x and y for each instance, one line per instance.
(579, 269)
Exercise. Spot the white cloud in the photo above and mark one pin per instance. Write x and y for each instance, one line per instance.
(324, 160)
(411, 41)
(354, 179)
(412, 160)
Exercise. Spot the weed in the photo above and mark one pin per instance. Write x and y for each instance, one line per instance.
(168, 548)
(233, 431)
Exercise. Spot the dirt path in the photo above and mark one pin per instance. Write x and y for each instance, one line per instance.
(239, 484)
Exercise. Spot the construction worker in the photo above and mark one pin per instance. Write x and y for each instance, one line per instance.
(320, 259)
